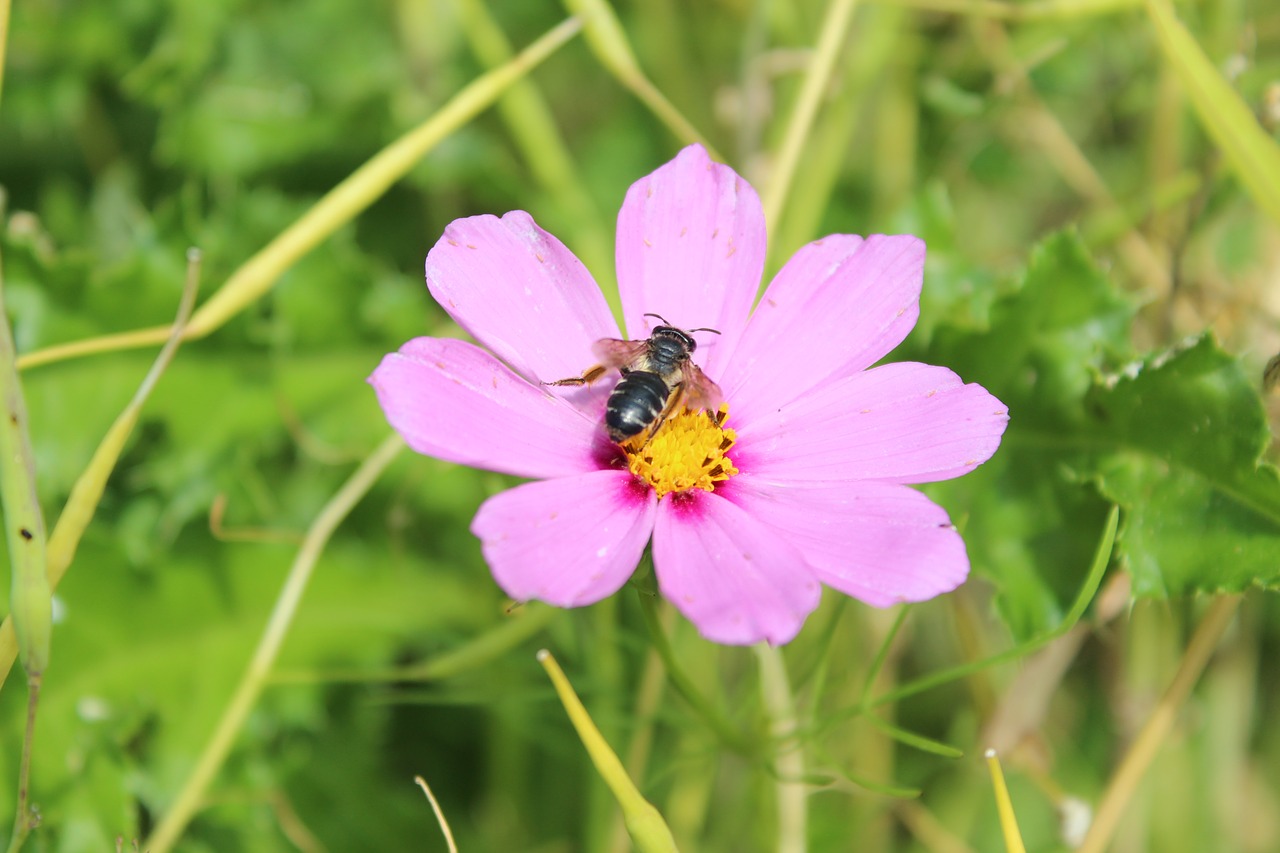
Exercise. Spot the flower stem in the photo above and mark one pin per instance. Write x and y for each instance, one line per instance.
(340, 205)
(608, 41)
(1156, 729)
(791, 792)
(534, 131)
(30, 595)
(834, 27)
(87, 491)
(648, 694)
(883, 653)
(644, 822)
(4, 38)
(250, 687)
(467, 657)
(1036, 10)
(684, 685)
(1101, 558)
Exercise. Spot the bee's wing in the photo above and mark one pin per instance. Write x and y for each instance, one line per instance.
(699, 391)
(614, 353)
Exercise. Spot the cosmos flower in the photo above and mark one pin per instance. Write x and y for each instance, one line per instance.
(805, 482)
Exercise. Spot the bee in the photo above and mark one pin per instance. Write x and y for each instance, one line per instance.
(658, 374)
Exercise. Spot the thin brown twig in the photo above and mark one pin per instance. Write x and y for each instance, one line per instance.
(246, 534)
(1133, 766)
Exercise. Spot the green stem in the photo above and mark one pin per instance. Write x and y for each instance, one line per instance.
(533, 128)
(31, 596)
(4, 38)
(789, 788)
(647, 827)
(882, 654)
(1157, 727)
(88, 488)
(338, 207)
(608, 41)
(834, 27)
(469, 657)
(1036, 10)
(684, 685)
(1100, 560)
(24, 820)
(255, 676)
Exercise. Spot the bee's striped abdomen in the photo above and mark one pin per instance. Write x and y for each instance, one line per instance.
(635, 404)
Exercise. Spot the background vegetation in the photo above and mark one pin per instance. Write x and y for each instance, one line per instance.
(1100, 205)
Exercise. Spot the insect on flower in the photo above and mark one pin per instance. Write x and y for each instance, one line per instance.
(808, 483)
(658, 375)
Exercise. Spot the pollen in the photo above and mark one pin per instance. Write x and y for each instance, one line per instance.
(687, 452)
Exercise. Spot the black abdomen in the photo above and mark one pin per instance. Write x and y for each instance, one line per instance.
(635, 404)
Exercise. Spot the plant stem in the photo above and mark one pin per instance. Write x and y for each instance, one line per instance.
(684, 685)
(89, 486)
(1140, 755)
(255, 677)
(30, 596)
(1101, 558)
(791, 792)
(340, 205)
(834, 27)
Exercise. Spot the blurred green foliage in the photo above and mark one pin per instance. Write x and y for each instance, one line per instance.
(1125, 326)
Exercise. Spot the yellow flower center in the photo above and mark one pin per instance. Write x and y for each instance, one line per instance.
(687, 452)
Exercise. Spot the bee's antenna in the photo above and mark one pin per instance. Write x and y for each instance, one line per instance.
(667, 322)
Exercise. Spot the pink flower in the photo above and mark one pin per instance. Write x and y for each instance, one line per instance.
(811, 486)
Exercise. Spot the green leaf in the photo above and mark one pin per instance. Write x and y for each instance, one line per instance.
(1201, 513)
(1174, 439)
(178, 659)
(1030, 517)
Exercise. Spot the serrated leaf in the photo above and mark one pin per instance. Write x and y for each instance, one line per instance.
(1201, 513)
(1174, 439)
(1047, 340)
(1029, 516)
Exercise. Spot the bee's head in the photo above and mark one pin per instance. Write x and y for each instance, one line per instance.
(677, 336)
(669, 332)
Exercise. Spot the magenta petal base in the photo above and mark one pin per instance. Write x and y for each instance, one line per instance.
(737, 580)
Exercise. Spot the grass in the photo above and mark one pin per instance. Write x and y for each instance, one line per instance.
(200, 695)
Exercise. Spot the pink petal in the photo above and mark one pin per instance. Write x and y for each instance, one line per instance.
(452, 400)
(569, 541)
(837, 307)
(519, 292)
(734, 578)
(881, 543)
(691, 245)
(899, 423)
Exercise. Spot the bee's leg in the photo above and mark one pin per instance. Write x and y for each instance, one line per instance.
(591, 375)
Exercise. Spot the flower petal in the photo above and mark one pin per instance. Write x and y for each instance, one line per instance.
(569, 541)
(452, 400)
(881, 543)
(519, 292)
(898, 423)
(691, 244)
(837, 307)
(732, 577)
